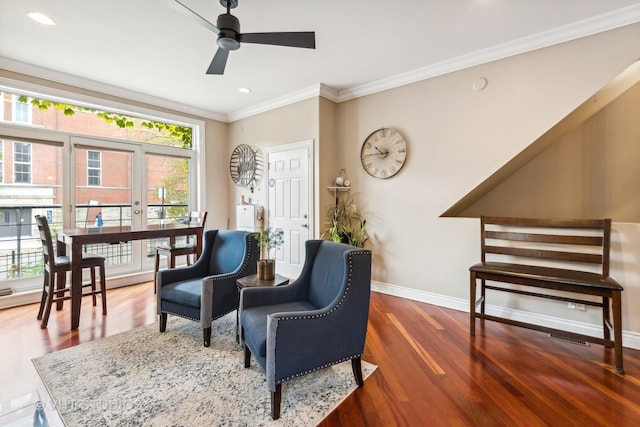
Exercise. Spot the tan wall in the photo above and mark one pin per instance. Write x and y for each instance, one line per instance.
(456, 139)
(328, 163)
(216, 174)
(592, 172)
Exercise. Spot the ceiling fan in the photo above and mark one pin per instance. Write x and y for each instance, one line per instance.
(229, 36)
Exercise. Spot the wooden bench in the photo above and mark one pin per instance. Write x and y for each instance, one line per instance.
(566, 255)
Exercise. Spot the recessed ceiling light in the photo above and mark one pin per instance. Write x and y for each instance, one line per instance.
(244, 90)
(41, 18)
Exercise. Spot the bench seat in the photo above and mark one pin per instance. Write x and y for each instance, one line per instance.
(546, 275)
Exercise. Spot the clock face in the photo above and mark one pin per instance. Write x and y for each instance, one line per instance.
(383, 153)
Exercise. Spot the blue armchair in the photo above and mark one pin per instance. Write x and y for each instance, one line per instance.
(207, 290)
(318, 320)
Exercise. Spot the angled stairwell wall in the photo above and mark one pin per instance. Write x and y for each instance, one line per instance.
(584, 167)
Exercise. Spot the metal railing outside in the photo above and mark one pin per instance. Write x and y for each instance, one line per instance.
(21, 250)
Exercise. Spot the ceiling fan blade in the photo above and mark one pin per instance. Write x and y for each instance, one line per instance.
(219, 62)
(187, 11)
(305, 39)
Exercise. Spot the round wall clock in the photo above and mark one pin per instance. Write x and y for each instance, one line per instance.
(383, 153)
(245, 166)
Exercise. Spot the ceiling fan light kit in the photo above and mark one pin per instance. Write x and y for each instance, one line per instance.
(230, 38)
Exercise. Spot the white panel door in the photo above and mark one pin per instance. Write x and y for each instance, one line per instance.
(289, 204)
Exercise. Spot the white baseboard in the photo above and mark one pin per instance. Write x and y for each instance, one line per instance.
(629, 339)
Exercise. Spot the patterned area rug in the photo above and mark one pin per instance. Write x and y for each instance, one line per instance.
(142, 377)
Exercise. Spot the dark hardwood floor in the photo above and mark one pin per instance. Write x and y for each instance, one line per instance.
(430, 371)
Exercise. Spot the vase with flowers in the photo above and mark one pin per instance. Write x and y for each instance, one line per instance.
(268, 239)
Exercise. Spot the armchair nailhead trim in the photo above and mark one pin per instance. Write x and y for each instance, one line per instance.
(181, 315)
(326, 365)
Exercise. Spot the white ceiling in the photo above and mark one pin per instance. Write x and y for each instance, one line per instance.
(146, 50)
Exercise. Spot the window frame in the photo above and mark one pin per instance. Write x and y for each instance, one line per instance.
(2, 161)
(29, 163)
(93, 168)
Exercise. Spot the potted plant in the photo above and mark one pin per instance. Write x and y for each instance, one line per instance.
(268, 239)
(345, 223)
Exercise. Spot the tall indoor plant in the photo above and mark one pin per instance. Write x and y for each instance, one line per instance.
(345, 223)
(268, 239)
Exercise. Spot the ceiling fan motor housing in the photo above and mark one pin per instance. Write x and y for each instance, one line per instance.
(229, 29)
(231, 4)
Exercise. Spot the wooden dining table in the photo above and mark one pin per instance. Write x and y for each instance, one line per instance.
(76, 238)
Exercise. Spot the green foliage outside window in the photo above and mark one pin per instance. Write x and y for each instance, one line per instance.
(181, 133)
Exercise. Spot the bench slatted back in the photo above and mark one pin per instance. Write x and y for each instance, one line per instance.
(581, 246)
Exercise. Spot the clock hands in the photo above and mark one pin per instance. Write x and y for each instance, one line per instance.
(380, 153)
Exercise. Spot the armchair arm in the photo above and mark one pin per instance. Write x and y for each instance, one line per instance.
(219, 293)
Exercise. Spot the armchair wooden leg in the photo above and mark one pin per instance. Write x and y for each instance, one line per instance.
(163, 322)
(206, 332)
(247, 356)
(356, 367)
(275, 402)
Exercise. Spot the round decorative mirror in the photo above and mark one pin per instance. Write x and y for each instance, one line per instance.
(245, 166)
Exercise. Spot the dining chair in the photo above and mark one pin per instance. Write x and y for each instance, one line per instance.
(171, 250)
(55, 287)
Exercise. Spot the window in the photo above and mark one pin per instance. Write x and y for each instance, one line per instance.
(94, 168)
(21, 162)
(1, 161)
(21, 111)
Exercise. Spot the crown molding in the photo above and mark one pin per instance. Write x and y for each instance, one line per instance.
(107, 89)
(301, 95)
(597, 24)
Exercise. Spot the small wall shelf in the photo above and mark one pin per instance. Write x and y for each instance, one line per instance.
(337, 189)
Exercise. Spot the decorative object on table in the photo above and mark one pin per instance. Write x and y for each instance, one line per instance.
(268, 239)
(317, 321)
(345, 223)
(168, 379)
(383, 153)
(246, 166)
(207, 290)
